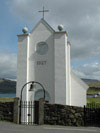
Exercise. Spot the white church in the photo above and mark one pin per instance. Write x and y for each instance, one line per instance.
(44, 57)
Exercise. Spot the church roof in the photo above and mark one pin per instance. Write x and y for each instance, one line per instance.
(81, 82)
(48, 27)
(45, 23)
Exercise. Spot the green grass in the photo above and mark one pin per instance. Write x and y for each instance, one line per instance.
(93, 100)
(6, 99)
(89, 99)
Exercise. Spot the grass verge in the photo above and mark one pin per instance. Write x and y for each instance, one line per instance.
(93, 100)
(6, 99)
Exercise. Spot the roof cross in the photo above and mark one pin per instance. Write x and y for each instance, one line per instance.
(43, 11)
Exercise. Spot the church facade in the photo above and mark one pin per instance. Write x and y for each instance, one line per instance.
(44, 57)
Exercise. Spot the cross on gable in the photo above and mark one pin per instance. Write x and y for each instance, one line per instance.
(43, 11)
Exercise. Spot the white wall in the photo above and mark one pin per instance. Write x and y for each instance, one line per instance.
(60, 67)
(42, 73)
(78, 91)
(68, 76)
(22, 65)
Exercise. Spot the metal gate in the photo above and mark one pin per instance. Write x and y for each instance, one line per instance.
(92, 115)
(29, 112)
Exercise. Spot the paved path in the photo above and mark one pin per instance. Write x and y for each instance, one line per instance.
(13, 128)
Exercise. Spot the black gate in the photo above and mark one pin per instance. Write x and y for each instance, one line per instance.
(92, 115)
(29, 112)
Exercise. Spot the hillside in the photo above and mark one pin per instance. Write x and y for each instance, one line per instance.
(7, 86)
(95, 85)
(94, 88)
(89, 81)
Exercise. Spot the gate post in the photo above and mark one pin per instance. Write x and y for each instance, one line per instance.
(84, 115)
(16, 110)
(36, 112)
(41, 111)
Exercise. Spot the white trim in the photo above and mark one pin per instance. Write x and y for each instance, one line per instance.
(27, 80)
(61, 32)
(23, 35)
(27, 65)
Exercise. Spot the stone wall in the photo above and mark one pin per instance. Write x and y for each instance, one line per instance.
(53, 114)
(6, 111)
(10, 111)
(56, 114)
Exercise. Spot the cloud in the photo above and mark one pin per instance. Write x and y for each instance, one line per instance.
(81, 19)
(8, 64)
(90, 71)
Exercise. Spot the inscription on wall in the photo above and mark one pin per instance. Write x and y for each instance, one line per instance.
(41, 62)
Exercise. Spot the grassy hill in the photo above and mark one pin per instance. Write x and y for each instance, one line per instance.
(95, 85)
(94, 88)
(7, 86)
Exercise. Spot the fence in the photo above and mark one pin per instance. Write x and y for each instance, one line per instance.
(6, 111)
(40, 112)
(56, 114)
(92, 115)
(9, 111)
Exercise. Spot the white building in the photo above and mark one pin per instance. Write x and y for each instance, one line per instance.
(44, 56)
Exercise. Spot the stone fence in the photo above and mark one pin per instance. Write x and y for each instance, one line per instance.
(56, 114)
(6, 111)
(9, 111)
(52, 114)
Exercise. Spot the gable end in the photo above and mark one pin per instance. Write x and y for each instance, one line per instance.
(46, 25)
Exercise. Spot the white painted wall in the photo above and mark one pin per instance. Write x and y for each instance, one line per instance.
(22, 65)
(68, 81)
(78, 91)
(61, 68)
(42, 73)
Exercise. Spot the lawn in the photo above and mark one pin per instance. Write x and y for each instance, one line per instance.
(93, 100)
(6, 99)
(89, 99)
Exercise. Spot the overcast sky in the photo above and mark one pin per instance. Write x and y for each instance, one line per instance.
(80, 18)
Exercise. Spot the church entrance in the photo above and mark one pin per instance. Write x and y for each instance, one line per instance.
(29, 112)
